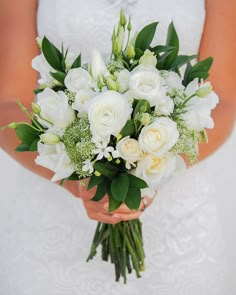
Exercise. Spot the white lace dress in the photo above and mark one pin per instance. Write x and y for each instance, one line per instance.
(45, 233)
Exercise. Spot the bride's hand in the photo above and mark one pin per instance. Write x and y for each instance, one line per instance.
(99, 210)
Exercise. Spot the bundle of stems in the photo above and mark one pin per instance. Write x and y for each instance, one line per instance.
(122, 244)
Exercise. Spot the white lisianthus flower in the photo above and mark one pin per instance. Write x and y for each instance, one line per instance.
(77, 79)
(98, 67)
(40, 64)
(148, 59)
(146, 83)
(55, 110)
(159, 137)
(122, 80)
(154, 169)
(198, 108)
(55, 158)
(82, 98)
(108, 113)
(129, 150)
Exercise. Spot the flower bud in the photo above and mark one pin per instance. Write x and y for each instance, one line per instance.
(98, 67)
(130, 51)
(129, 25)
(49, 138)
(118, 161)
(119, 136)
(12, 125)
(97, 173)
(36, 108)
(109, 159)
(120, 40)
(145, 119)
(148, 59)
(122, 18)
(204, 90)
(111, 84)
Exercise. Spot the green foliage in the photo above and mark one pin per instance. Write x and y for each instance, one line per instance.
(120, 187)
(145, 37)
(29, 138)
(199, 70)
(94, 180)
(172, 40)
(53, 56)
(59, 76)
(102, 189)
(133, 198)
(128, 129)
(77, 62)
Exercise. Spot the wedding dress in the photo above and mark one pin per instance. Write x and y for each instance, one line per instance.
(45, 233)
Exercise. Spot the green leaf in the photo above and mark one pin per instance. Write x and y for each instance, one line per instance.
(37, 91)
(94, 180)
(182, 60)
(77, 62)
(113, 204)
(161, 48)
(102, 190)
(106, 169)
(145, 36)
(73, 176)
(199, 70)
(34, 145)
(162, 59)
(59, 76)
(22, 148)
(26, 134)
(128, 129)
(172, 40)
(52, 55)
(136, 182)
(133, 198)
(120, 186)
(143, 106)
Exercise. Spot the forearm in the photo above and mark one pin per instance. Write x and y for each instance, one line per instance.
(219, 41)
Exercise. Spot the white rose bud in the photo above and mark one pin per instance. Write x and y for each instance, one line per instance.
(156, 169)
(148, 59)
(129, 150)
(145, 119)
(108, 113)
(77, 79)
(49, 138)
(159, 137)
(204, 90)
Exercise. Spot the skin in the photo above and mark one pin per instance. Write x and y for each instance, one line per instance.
(18, 32)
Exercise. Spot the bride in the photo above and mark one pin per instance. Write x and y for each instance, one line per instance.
(45, 234)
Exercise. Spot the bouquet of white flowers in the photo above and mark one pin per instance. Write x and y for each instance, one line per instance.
(124, 124)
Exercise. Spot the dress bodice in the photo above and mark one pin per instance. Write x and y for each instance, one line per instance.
(85, 25)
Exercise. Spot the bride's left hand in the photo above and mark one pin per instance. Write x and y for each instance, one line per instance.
(100, 210)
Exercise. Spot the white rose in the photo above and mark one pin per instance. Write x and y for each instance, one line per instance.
(55, 158)
(129, 150)
(49, 138)
(159, 137)
(81, 101)
(98, 67)
(146, 83)
(123, 80)
(77, 79)
(148, 59)
(154, 169)
(55, 109)
(108, 113)
(40, 64)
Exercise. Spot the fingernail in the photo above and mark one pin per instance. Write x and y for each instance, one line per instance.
(116, 216)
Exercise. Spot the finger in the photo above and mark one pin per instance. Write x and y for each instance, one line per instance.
(122, 209)
(105, 218)
(125, 217)
(95, 206)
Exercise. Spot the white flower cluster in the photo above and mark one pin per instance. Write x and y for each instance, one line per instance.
(108, 101)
